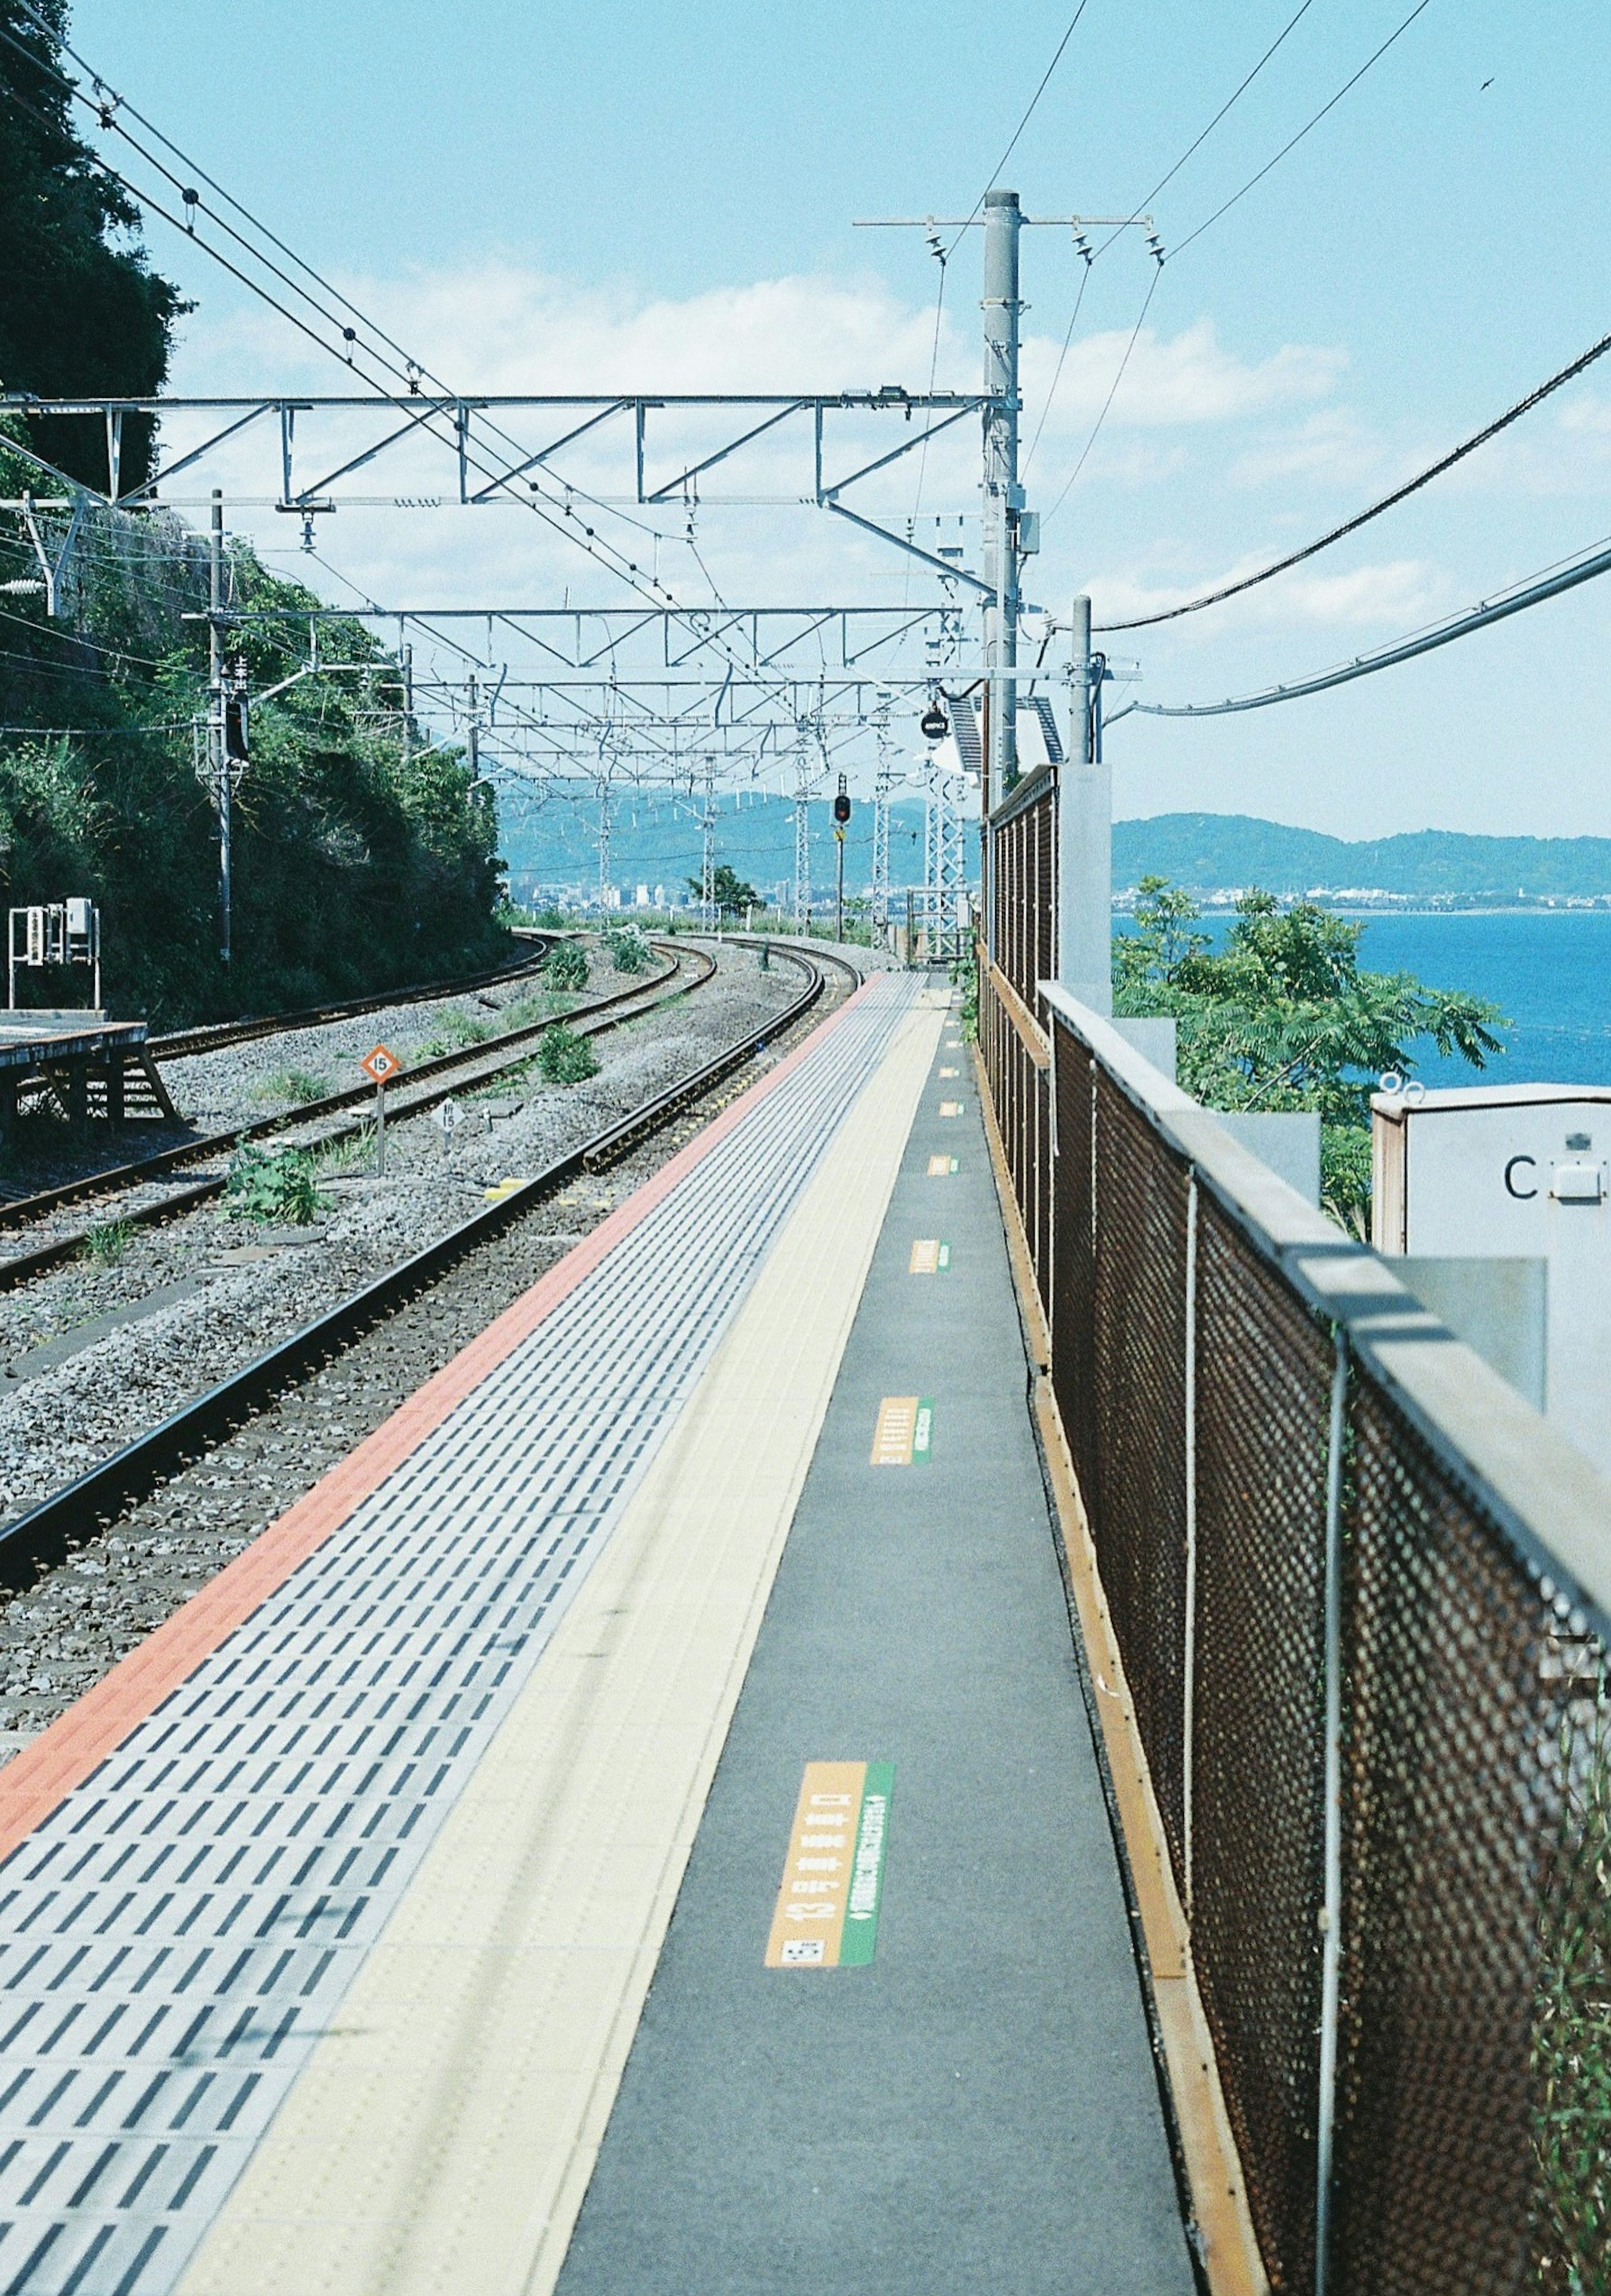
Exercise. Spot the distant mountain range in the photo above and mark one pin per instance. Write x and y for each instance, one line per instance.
(655, 838)
(1207, 852)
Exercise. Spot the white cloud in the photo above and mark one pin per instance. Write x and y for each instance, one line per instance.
(1183, 378)
(1398, 593)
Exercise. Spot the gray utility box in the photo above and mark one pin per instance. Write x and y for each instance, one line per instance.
(1510, 1173)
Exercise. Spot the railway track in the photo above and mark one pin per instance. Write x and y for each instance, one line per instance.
(217, 1036)
(45, 1532)
(419, 1090)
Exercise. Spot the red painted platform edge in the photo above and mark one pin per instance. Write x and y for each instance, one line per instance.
(38, 1780)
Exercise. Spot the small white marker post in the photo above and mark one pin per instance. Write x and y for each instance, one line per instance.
(381, 1063)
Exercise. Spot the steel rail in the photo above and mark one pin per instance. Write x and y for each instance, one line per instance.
(608, 1147)
(45, 1532)
(216, 1035)
(162, 1161)
(21, 1267)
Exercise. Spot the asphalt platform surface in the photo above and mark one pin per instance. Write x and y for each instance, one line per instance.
(977, 2110)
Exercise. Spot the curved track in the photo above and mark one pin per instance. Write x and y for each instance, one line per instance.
(471, 1064)
(216, 1035)
(45, 1533)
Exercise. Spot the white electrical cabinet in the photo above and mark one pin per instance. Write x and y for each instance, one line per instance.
(1519, 1172)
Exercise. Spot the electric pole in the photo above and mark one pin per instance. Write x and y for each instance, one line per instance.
(708, 859)
(1085, 907)
(217, 755)
(1003, 495)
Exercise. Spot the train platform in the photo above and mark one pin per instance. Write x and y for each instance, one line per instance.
(635, 1825)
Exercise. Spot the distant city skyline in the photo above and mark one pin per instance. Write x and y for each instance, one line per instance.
(542, 199)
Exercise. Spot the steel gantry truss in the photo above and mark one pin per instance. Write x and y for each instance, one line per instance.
(473, 457)
(652, 685)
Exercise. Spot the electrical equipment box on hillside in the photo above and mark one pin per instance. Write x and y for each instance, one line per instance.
(1512, 1173)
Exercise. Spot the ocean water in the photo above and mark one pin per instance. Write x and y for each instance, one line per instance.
(1549, 971)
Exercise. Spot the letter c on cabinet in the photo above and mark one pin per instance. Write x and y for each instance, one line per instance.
(1522, 1196)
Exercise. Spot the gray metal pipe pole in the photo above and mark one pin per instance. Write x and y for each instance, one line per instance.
(1004, 496)
(217, 750)
(1085, 834)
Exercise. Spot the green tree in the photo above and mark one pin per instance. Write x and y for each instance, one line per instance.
(1282, 1017)
(81, 311)
(732, 895)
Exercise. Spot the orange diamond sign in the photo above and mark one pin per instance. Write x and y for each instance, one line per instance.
(381, 1065)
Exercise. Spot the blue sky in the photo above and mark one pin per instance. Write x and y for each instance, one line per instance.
(534, 191)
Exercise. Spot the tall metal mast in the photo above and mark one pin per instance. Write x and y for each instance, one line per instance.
(1003, 495)
(217, 749)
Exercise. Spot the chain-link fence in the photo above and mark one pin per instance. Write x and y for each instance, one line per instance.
(1329, 1541)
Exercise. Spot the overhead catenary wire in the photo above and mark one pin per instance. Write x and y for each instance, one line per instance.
(1513, 414)
(1551, 583)
(558, 516)
(1135, 336)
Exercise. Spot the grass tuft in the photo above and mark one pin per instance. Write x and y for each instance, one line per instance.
(299, 1087)
(107, 1243)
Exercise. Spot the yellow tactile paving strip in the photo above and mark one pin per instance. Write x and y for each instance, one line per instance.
(443, 2134)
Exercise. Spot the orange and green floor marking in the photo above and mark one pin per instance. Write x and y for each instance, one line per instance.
(827, 1914)
(930, 1256)
(902, 1432)
(942, 1168)
(951, 1108)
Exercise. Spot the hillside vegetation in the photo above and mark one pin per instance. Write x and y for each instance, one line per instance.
(353, 868)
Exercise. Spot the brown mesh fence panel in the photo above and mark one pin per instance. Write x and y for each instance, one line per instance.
(1024, 863)
(1040, 1233)
(1464, 1733)
(1263, 1382)
(1141, 1388)
(1073, 1309)
(1473, 2109)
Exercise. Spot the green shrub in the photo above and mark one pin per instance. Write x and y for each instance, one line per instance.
(567, 966)
(629, 951)
(278, 1187)
(565, 1058)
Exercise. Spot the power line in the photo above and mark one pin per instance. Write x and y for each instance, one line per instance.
(1330, 105)
(1074, 320)
(1567, 374)
(1135, 334)
(1534, 591)
(1024, 122)
(1198, 142)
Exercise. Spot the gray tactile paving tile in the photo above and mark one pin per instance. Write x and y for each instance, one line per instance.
(175, 1936)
